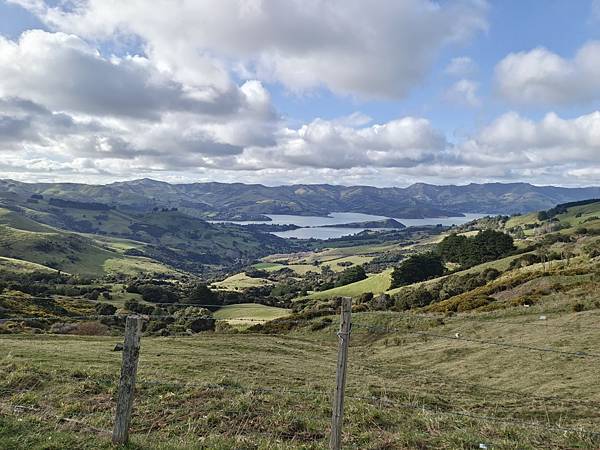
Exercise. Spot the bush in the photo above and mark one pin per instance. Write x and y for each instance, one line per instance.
(578, 307)
(413, 298)
(323, 323)
(105, 309)
(90, 329)
(366, 297)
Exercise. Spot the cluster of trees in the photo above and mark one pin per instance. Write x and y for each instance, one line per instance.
(488, 245)
(198, 293)
(419, 267)
(350, 275)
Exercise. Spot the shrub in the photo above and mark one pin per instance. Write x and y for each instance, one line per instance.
(323, 323)
(365, 297)
(90, 329)
(413, 298)
(105, 309)
(578, 307)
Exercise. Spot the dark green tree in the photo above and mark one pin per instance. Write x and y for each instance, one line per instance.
(351, 275)
(202, 295)
(420, 267)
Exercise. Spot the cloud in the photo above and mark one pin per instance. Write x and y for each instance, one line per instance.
(541, 77)
(464, 92)
(330, 144)
(461, 66)
(63, 72)
(377, 52)
(512, 141)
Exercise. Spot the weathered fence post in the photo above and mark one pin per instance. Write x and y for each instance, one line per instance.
(337, 417)
(131, 352)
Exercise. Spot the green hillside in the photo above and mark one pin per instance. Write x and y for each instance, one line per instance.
(376, 284)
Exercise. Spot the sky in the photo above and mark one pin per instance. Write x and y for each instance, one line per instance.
(383, 93)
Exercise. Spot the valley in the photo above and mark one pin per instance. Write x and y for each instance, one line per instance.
(482, 332)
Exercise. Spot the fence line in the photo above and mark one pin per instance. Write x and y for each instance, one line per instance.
(383, 401)
(384, 330)
(121, 423)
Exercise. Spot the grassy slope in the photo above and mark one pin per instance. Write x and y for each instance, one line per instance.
(213, 411)
(18, 265)
(24, 239)
(240, 281)
(252, 311)
(376, 284)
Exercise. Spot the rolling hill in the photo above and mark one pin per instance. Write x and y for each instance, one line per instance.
(92, 238)
(252, 201)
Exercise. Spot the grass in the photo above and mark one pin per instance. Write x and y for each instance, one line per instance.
(134, 266)
(250, 311)
(356, 260)
(269, 267)
(18, 265)
(240, 281)
(376, 284)
(197, 392)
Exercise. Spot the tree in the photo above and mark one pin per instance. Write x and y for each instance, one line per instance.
(420, 267)
(351, 275)
(202, 295)
(543, 215)
(157, 294)
(488, 245)
(453, 247)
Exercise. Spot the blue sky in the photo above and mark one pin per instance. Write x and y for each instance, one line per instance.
(316, 91)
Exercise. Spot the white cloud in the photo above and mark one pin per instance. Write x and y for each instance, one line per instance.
(512, 141)
(461, 66)
(328, 144)
(63, 72)
(541, 77)
(464, 92)
(379, 51)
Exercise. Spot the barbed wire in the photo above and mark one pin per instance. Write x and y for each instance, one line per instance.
(385, 330)
(381, 400)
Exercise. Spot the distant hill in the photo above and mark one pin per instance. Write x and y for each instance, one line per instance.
(373, 224)
(251, 201)
(90, 238)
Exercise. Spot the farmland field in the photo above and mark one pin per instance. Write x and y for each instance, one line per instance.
(249, 311)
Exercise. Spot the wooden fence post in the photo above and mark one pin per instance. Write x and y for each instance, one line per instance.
(337, 417)
(131, 352)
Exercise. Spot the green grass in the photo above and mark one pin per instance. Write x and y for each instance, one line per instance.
(18, 265)
(269, 267)
(376, 284)
(250, 311)
(240, 281)
(196, 392)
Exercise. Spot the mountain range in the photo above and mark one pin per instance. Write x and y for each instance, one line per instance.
(221, 201)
